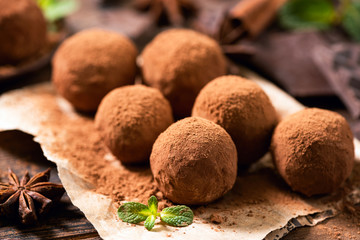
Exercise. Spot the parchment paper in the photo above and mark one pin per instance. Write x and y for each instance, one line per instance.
(260, 205)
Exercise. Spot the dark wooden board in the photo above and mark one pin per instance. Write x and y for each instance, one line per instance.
(65, 221)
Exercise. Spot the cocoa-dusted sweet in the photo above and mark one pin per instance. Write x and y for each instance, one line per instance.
(194, 161)
(179, 63)
(313, 151)
(22, 30)
(243, 109)
(90, 64)
(130, 118)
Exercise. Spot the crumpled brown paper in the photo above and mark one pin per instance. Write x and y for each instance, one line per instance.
(260, 205)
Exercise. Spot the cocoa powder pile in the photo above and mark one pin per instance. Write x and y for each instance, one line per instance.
(313, 151)
(90, 64)
(179, 63)
(22, 30)
(79, 141)
(194, 161)
(130, 119)
(243, 109)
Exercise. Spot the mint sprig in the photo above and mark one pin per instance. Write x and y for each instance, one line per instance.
(321, 15)
(351, 20)
(55, 10)
(307, 14)
(177, 216)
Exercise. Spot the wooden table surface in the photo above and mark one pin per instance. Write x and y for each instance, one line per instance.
(18, 151)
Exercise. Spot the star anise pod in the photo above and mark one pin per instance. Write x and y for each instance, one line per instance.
(28, 199)
(167, 11)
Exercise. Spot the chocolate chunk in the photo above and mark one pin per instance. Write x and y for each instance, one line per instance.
(340, 65)
(342, 59)
(287, 58)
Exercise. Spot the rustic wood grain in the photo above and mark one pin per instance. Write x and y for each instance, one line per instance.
(65, 221)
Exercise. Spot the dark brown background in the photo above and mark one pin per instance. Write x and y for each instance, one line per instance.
(20, 152)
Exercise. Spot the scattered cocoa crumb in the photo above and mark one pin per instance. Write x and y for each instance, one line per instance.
(199, 210)
(250, 214)
(216, 218)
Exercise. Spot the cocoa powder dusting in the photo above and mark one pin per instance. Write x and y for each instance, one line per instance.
(75, 138)
(109, 177)
(313, 151)
(91, 63)
(258, 197)
(22, 30)
(243, 109)
(179, 63)
(130, 118)
(194, 161)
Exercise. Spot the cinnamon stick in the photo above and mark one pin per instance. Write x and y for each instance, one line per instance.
(248, 18)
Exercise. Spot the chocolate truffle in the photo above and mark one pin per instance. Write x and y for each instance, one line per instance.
(313, 151)
(90, 64)
(22, 30)
(130, 119)
(243, 109)
(194, 161)
(179, 63)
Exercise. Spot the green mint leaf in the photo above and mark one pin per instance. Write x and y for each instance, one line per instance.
(150, 222)
(351, 20)
(307, 14)
(153, 205)
(178, 216)
(56, 9)
(133, 212)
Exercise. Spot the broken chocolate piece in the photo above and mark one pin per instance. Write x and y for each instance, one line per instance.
(340, 65)
(287, 58)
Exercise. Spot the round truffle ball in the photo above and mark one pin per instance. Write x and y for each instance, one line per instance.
(90, 64)
(194, 161)
(22, 30)
(313, 151)
(130, 119)
(179, 63)
(243, 109)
